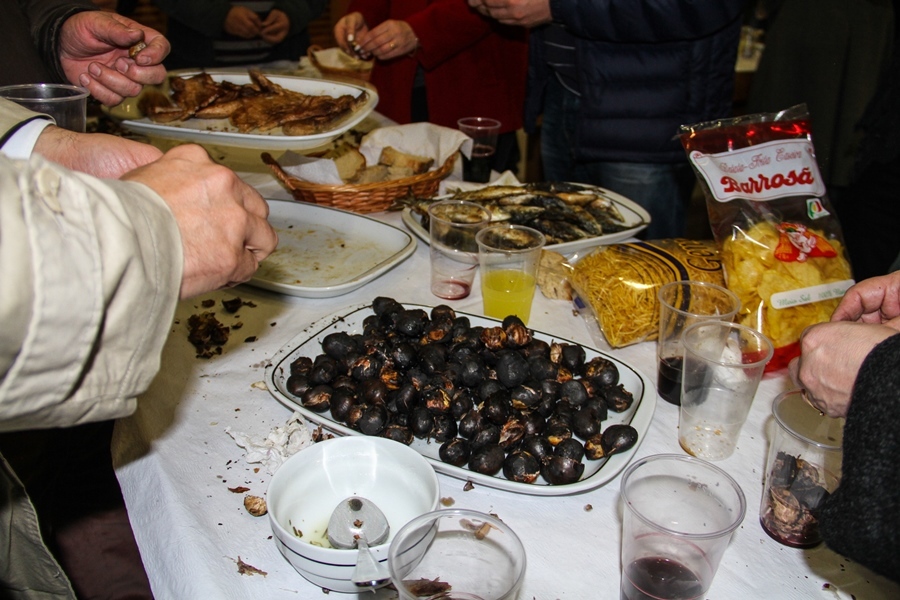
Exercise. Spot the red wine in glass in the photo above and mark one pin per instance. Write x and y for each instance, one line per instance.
(478, 168)
(668, 381)
(657, 578)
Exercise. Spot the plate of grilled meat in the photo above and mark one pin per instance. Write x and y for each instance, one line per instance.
(249, 110)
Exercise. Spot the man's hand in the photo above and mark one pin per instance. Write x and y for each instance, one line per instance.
(98, 154)
(874, 300)
(524, 13)
(222, 219)
(99, 50)
(243, 23)
(830, 357)
(275, 27)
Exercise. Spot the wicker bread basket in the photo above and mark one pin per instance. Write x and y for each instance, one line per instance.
(363, 74)
(363, 198)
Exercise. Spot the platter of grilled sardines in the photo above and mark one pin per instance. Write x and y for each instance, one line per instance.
(572, 216)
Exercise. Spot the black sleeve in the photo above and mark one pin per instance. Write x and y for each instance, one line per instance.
(861, 520)
(46, 18)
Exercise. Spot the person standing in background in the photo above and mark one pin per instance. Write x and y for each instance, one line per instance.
(614, 81)
(440, 61)
(223, 33)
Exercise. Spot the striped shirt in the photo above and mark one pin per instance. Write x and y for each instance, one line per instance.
(234, 50)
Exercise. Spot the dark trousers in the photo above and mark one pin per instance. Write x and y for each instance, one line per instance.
(869, 211)
(69, 476)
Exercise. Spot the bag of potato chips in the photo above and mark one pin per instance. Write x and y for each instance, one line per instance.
(781, 245)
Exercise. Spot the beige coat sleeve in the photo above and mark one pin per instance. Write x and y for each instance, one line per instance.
(90, 272)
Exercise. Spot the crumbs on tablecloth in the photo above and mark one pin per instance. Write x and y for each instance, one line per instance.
(250, 339)
(448, 501)
(588, 507)
(207, 334)
(239, 490)
(232, 305)
(469, 486)
(245, 569)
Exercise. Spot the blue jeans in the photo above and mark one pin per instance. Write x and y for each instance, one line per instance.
(664, 189)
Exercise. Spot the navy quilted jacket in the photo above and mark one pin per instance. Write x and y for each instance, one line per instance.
(645, 67)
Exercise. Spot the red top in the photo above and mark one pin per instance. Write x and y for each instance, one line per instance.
(474, 66)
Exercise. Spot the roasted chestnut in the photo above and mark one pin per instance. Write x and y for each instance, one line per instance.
(339, 344)
(398, 433)
(521, 466)
(572, 357)
(318, 398)
(373, 419)
(618, 398)
(601, 370)
(301, 365)
(455, 452)
(571, 448)
(537, 446)
(421, 422)
(512, 369)
(615, 438)
(471, 423)
(444, 427)
(586, 422)
(560, 470)
(297, 384)
(487, 459)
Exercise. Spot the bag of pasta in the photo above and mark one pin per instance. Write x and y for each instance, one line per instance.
(617, 286)
(781, 245)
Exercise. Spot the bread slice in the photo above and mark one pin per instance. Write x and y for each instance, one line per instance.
(394, 158)
(373, 174)
(348, 159)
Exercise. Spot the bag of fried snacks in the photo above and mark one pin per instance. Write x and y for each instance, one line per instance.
(616, 286)
(781, 244)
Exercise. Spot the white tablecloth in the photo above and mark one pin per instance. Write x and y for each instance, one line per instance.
(176, 464)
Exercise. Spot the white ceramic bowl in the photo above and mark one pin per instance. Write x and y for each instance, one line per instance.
(309, 485)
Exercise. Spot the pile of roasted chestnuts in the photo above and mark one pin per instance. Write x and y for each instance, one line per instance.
(495, 398)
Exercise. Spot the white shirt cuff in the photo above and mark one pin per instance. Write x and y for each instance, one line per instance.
(21, 144)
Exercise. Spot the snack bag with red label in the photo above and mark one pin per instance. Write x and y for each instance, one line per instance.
(781, 245)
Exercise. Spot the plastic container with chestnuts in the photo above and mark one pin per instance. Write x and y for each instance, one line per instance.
(803, 468)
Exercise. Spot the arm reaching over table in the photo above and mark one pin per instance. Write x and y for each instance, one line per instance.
(850, 368)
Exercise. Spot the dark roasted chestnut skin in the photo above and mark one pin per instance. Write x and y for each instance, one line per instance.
(512, 369)
(444, 428)
(572, 357)
(432, 358)
(461, 403)
(342, 400)
(373, 419)
(601, 370)
(436, 400)
(586, 422)
(489, 434)
(421, 422)
(324, 370)
(571, 448)
(511, 432)
(455, 452)
(556, 432)
(560, 470)
(442, 312)
(542, 368)
(301, 365)
(521, 466)
(614, 439)
(318, 398)
(618, 398)
(517, 335)
(297, 384)
(497, 408)
(366, 367)
(339, 344)
(398, 433)
(537, 446)
(471, 423)
(373, 391)
(534, 423)
(525, 396)
(472, 372)
(573, 392)
(403, 355)
(487, 460)
(382, 305)
(488, 388)
(411, 323)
